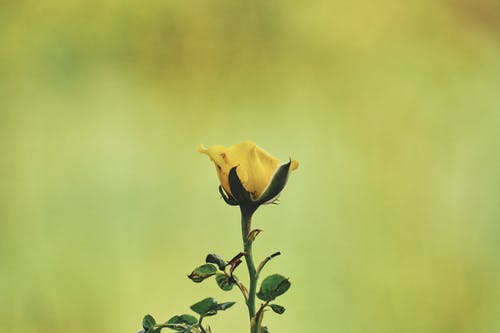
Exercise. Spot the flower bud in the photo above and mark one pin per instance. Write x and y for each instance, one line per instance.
(249, 176)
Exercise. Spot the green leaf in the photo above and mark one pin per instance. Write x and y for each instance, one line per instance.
(216, 259)
(202, 272)
(183, 319)
(225, 306)
(206, 307)
(188, 319)
(277, 308)
(272, 287)
(181, 328)
(188, 330)
(175, 320)
(276, 185)
(209, 307)
(148, 322)
(224, 282)
(175, 327)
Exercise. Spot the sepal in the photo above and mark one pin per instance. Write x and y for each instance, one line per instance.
(240, 196)
(276, 185)
(228, 198)
(238, 191)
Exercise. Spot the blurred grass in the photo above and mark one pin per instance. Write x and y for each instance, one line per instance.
(392, 108)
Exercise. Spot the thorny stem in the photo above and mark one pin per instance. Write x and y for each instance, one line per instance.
(246, 225)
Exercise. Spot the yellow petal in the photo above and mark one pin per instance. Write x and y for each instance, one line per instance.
(255, 166)
(201, 148)
(218, 155)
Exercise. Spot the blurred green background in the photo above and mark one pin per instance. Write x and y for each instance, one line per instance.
(391, 223)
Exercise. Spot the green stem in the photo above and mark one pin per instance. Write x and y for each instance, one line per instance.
(200, 325)
(246, 226)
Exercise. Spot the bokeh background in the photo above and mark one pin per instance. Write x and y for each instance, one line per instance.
(391, 224)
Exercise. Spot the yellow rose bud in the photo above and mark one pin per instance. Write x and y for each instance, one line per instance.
(255, 167)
